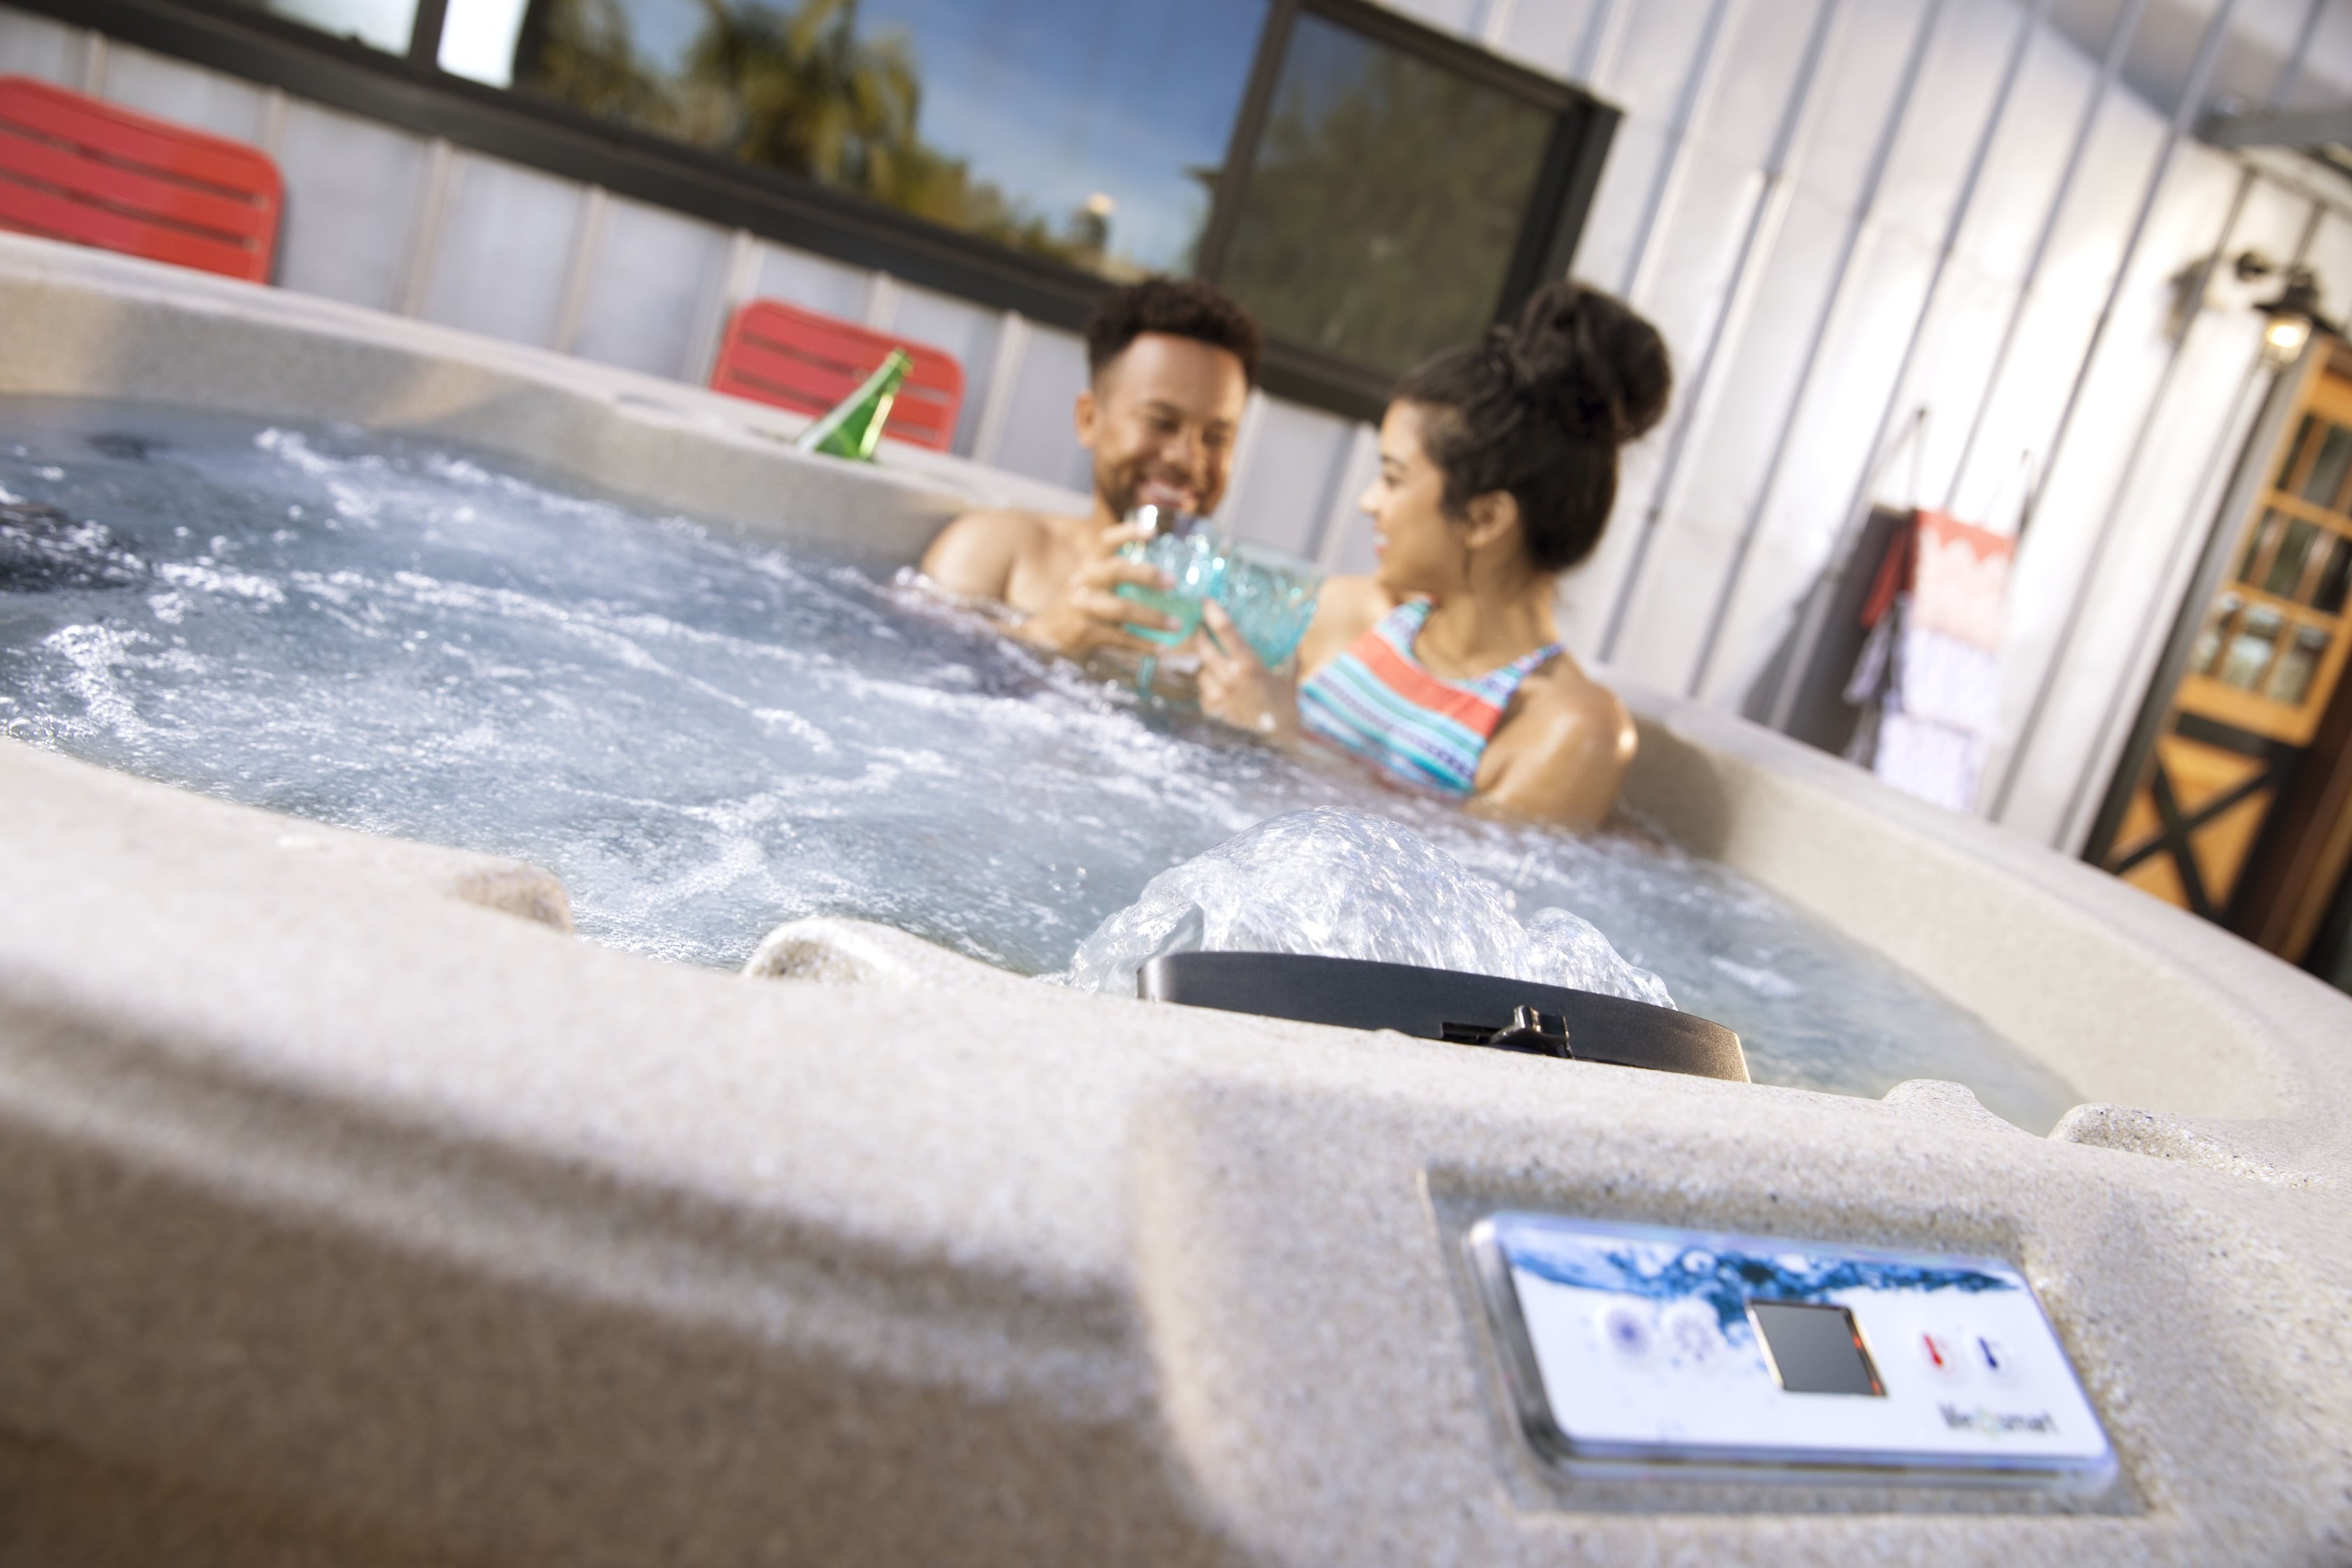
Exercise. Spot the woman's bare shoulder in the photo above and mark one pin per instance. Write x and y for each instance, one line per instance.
(1561, 750)
(1562, 691)
(1345, 609)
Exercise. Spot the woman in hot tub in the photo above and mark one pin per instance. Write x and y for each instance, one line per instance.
(1498, 467)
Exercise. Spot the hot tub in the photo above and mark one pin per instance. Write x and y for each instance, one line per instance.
(354, 1212)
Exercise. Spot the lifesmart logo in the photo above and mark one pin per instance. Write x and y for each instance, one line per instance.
(1995, 1423)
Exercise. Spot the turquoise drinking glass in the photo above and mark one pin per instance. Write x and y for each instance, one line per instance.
(1194, 566)
(1270, 594)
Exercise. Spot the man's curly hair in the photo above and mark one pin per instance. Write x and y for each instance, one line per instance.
(1180, 306)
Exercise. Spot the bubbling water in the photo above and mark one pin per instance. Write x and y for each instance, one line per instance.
(1347, 885)
(704, 737)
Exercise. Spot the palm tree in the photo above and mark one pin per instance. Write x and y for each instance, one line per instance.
(793, 87)
(582, 52)
(801, 90)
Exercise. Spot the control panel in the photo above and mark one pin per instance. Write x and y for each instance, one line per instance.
(1639, 1350)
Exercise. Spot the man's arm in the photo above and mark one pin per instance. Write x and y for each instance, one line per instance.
(979, 555)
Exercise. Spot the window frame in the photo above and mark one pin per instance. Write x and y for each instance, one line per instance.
(411, 91)
(1582, 127)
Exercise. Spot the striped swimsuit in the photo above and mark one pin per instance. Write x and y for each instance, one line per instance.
(1378, 701)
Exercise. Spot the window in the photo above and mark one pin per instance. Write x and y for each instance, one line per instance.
(1373, 190)
(1363, 232)
(478, 37)
(1070, 129)
(1062, 127)
(384, 24)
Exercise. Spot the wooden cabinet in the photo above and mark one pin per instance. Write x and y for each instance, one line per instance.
(2237, 804)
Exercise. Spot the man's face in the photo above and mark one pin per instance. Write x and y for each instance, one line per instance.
(1160, 421)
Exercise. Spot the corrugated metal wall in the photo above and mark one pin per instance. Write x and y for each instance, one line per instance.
(1921, 250)
(1840, 213)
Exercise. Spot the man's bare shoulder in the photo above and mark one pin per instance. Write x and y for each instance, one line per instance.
(978, 554)
(1004, 527)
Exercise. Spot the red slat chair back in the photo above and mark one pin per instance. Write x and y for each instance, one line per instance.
(75, 168)
(795, 359)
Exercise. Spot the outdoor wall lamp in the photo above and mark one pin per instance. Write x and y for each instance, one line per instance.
(2289, 319)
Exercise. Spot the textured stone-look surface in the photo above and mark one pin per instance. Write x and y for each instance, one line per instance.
(352, 1211)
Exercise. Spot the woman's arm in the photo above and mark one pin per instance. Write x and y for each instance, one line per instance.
(1236, 687)
(1559, 754)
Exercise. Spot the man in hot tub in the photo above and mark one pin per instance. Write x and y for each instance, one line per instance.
(1171, 365)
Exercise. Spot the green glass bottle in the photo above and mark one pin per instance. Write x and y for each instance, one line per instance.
(852, 428)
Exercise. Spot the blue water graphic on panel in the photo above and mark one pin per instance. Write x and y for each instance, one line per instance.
(1693, 1266)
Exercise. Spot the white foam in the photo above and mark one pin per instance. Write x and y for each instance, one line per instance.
(202, 579)
(96, 655)
(1346, 884)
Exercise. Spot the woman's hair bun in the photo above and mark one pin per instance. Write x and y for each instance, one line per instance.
(1538, 407)
(1600, 367)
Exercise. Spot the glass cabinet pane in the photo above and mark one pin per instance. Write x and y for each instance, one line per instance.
(2327, 472)
(2251, 647)
(2208, 646)
(2257, 543)
(2335, 577)
(2286, 567)
(2290, 681)
(2285, 479)
(1386, 200)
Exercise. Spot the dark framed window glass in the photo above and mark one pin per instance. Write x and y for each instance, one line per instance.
(1384, 201)
(1085, 131)
(478, 39)
(384, 24)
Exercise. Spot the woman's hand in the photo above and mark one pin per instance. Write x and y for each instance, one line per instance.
(1237, 689)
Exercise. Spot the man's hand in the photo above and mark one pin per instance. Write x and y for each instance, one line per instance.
(1087, 615)
(1236, 687)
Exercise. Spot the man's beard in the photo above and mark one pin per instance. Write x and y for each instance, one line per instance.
(1123, 488)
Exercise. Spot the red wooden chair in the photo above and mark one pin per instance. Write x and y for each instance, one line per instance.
(75, 168)
(795, 359)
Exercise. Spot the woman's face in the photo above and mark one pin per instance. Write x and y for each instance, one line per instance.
(1417, 551)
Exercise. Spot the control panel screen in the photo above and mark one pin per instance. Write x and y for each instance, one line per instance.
(1641, 1349)
(1815, 1349)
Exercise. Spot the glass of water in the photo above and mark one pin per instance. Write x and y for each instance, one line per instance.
(1190, 554)
(1270, 594)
